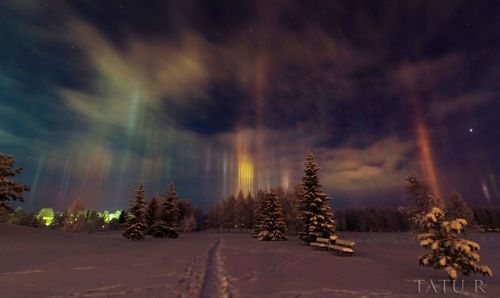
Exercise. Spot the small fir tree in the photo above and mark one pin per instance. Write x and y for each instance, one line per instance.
(136, 221)
(446, 250)
(272, 223)
(10, 190)
(316, 214)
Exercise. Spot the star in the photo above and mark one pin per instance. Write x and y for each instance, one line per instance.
(471, 130)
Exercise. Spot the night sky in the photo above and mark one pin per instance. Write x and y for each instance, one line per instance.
(216, 96)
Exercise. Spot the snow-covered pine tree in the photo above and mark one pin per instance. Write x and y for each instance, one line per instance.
(420, 200)
(10, 190)
(272, 224)
(136, 221)
(170, 208)
(315, 212)
(258, 211)
(168, 215)
(152, 212)
(448, 251)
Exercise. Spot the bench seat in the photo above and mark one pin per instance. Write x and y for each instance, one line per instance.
(346, 243)
(321, 243)
(342, 249)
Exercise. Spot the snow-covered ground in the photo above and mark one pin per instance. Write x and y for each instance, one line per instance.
(44, 263)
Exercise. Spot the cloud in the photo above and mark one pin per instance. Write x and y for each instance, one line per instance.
(428, 75)
(141, 78)
(442, 107)
(378, 168)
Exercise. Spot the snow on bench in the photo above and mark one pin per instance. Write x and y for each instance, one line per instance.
(321, 243)
(341, 249)
(346, 243)
(343, 246)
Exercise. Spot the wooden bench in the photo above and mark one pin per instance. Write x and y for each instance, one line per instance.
(333, 243)
(342, 246)
(321, 243)
(341, 249)
(345, 243)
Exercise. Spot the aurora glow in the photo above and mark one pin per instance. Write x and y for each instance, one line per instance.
(99, 96)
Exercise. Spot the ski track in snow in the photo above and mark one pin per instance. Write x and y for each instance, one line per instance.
(215, 283)
(22, 272)
(85, 268)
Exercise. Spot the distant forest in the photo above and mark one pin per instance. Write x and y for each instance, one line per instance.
(237, 214)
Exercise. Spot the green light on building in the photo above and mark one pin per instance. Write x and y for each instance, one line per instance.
(115, 215)
(46, 215)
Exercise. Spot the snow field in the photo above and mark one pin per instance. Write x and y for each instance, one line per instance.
(45, 263)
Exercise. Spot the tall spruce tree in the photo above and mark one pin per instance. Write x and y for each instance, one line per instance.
(168, 215)
(272, 221)
(316, 214)
(10, 190)
(258, 211)
(170, 206)
(136, 221)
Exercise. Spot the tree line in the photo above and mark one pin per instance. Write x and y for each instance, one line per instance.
(234, 213)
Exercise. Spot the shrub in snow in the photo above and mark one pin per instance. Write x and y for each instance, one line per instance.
(160, 230)
(316, 214)
(272, 225)
(135, 221)
(446, 250)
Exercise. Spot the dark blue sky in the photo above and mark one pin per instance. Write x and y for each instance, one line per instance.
(216, 96)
